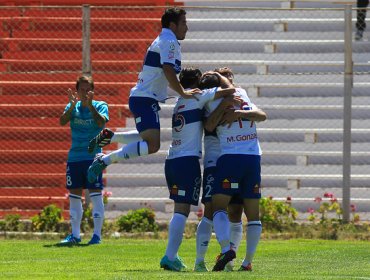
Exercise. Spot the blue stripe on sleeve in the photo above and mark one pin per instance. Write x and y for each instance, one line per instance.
(153, 59)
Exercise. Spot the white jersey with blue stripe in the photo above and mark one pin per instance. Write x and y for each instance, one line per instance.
(152, 82)
(241, 137)
(187, 125)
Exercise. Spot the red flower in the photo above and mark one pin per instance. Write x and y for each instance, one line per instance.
(318, 199)
(310, 210)
(353, 208)
(289, 198)
(329, 195)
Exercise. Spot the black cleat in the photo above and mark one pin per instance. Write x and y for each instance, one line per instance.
(223, 259)
(100, 140)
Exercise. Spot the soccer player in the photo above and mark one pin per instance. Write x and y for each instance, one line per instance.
(237, 133)
(87, 117)
(161, 64)
(182, 168)
(235, 208)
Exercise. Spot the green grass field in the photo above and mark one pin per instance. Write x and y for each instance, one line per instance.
(139, 259)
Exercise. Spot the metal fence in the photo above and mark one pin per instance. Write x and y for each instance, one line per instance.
(301, 65)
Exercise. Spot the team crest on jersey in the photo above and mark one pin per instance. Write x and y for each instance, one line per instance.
(174, 190)
(226, 184)
(257, 189)
(179, 122)
(172, 47)
(171, 55)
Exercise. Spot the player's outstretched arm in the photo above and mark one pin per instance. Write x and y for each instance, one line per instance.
(175, 84)
(254, 115)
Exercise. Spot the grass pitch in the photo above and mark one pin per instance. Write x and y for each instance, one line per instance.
(139, 259)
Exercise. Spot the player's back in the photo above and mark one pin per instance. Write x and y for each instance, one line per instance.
(241, 136)
(187, 125)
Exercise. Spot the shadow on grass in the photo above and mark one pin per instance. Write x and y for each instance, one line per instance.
(61, 245)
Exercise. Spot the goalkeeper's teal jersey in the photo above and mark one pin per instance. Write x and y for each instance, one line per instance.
(83, 129)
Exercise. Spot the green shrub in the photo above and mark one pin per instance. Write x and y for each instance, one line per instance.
(12, 222)
(48, 220)
(277, 214)
(140, 220)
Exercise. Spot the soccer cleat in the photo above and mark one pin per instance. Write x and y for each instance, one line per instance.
(94, 240)
(100, 140)
(245, 268)
(176, 265)
(200, 267)
(229, 266)
(96, 168)
(179, 259)
(359, 34)
(223, 259)
(70, 240)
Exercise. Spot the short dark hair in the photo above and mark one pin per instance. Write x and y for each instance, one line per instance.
(84, 79)
(209, 81)
(189, 77)
(172, 15)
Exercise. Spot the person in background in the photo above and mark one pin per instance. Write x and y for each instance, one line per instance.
(361, 19)
(87, 117)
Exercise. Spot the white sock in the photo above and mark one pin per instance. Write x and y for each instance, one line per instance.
(175, 232)
(221, 227)
(204, 232)
(75, 212)
(131, 150)
(98, 212)
(254, 229)
(236, 235)
(126, 137)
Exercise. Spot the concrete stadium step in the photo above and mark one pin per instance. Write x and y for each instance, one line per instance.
(16, 65)
(264, 67)
(285, 123)
(309, 135)
(157, 169)
(266, 14)
(30, 180)
(98, 11)
(268, 45)
(307, 193)
(273, 35)
(322, 124)
(39, 145)
(35, 191)
(117, 113)
(241, 23)
(261, 4)
(278, 179)
(58, 87)
(271, 156)
(145, 25)
(300, 111)
(49, 98)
